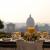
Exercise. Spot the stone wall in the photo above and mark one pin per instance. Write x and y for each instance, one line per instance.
(46, 49)
(22, 45)
(7, 48)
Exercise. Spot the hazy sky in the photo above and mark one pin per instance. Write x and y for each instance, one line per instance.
(19, 10)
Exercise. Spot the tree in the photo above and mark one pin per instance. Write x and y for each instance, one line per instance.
(1, 24)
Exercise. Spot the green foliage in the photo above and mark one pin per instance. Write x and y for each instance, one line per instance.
(1, 24)
(32, 38)
(4, 35)
(25, 37)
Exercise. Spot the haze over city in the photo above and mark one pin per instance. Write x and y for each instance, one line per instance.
(19, 10)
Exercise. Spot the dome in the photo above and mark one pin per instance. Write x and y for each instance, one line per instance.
(30, 21)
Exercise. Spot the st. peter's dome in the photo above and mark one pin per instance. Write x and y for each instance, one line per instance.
(30, 22)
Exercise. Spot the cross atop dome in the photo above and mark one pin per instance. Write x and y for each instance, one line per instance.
(30, 15)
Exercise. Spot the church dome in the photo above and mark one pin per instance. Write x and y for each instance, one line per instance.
(30, 21)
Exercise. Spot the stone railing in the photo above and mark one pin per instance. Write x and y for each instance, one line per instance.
(23, 45)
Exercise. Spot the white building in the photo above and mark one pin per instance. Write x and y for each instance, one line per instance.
(10, 28)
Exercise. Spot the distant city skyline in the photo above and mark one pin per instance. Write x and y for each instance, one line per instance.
(17, 11)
